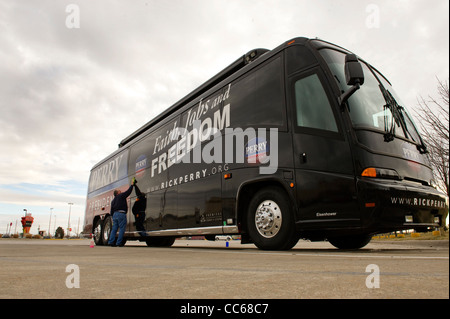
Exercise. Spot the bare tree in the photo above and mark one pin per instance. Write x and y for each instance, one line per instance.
(434, 122)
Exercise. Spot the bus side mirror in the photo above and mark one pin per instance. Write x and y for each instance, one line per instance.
(354, 75)
(353, 70)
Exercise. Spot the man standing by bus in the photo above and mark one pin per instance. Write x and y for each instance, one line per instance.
(119, 208)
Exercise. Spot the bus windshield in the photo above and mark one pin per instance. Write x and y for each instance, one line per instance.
(375, 106)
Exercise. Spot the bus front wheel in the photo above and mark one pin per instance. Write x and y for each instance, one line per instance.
(160, 241)
(270, 220)
(350, 242)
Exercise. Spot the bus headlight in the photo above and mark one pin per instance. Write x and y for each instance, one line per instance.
(433, 184)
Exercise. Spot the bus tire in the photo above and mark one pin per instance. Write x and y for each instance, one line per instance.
(270, 220)
(350, 242)
(160, 241)
(106, 229)
(97, 232)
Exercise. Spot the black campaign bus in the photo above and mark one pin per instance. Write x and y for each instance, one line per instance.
(304, 141)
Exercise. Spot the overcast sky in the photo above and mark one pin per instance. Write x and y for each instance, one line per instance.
(71, 89)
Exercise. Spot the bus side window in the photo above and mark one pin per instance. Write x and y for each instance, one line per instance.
(257, 98)
(313, 108)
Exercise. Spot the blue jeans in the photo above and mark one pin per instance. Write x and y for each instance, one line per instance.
(119, 222)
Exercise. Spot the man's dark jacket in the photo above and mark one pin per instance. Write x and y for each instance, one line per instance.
(141, 202)
(120, 201)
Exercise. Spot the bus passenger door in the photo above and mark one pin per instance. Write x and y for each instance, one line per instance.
(326, 193)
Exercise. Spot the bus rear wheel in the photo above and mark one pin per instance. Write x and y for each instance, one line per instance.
(270, 220)
(102, 230)
(106, 229)
(97, 233)
(350, 242)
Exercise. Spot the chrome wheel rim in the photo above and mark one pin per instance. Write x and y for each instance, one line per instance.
(97, 232)
(268, 219)
(106, 231)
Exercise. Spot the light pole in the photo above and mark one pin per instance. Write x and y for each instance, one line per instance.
(49, 224)
(54, 226)
(68, 224)
(23, 231)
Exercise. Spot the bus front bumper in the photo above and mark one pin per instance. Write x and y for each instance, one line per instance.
(396, 205)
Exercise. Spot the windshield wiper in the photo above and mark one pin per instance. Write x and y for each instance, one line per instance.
(397, 113)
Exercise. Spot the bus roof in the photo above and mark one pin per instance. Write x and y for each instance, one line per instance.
(237, 65)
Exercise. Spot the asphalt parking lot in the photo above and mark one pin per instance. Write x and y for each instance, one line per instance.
(33, 268)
